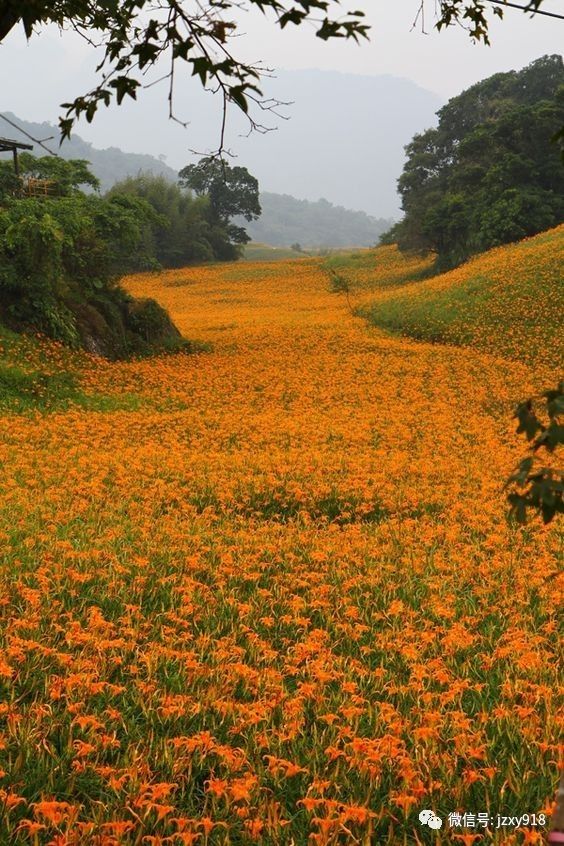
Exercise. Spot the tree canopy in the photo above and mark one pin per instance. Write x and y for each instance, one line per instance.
(62, 252)
(135, 35)
(231, 191)
(184, 228)
(488, 174)
(60, 257)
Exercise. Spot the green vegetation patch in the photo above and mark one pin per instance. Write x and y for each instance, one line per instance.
(21, 389)
(34, 390)
(489, 173)
(264, 252)
(385, 267)
(37, 378)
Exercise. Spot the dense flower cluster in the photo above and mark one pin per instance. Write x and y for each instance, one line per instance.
(276, 599)
(506, 302)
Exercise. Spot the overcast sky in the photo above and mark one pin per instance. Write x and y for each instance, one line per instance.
(443, 62)
(54, 68)
(42, 74)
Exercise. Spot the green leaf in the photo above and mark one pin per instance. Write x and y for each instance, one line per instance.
(237, 95)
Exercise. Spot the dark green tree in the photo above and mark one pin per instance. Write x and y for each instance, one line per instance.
(181, 230)
(61, 257)
(69, 176)
(489, 173)
(231, 191)
(534, 485)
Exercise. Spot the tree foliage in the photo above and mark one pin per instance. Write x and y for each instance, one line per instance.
(183, 229)
(66, 177)
(534, 485)
(489, 173)
(474, 15)
(58, 256)
(69, 177)
(231, 191)
(61, 256)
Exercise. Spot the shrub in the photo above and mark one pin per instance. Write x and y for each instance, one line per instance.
(59, 262)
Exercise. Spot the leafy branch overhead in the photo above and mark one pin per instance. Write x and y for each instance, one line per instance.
(540, 488)
(473, 14)
(135, 35)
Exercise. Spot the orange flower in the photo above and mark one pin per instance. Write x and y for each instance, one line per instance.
(532, 836)
(404, 800)
(55, 812)
(282, 561)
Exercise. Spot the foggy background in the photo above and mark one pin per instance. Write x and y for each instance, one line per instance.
(351, 108)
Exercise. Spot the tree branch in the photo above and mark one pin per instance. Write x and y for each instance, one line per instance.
(8, 20)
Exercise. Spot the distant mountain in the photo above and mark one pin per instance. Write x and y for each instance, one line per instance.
(109, 165)
(344, 137)
(286, 221)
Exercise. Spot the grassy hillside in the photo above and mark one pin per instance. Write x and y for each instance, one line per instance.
(386, 268)
(508, 301)
(256, 251)
(41, 375)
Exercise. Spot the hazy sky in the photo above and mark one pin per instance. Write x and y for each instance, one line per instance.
(43, 74)
(443, 62)
(53, 68)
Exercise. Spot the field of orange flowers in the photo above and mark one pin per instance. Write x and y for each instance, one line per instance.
(269, 595)
(507, 302)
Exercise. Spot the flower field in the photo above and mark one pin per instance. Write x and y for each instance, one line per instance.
(267, 594)
(506, 302)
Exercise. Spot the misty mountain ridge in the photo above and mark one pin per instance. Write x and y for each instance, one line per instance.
(109, 165)
(285, 220)
(343, 138)
(342, 135)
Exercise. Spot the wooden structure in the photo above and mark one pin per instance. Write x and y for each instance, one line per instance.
(32, 187)
(9, 146)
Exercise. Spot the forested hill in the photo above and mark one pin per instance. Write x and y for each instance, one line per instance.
(285, 221)
(109, 165)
